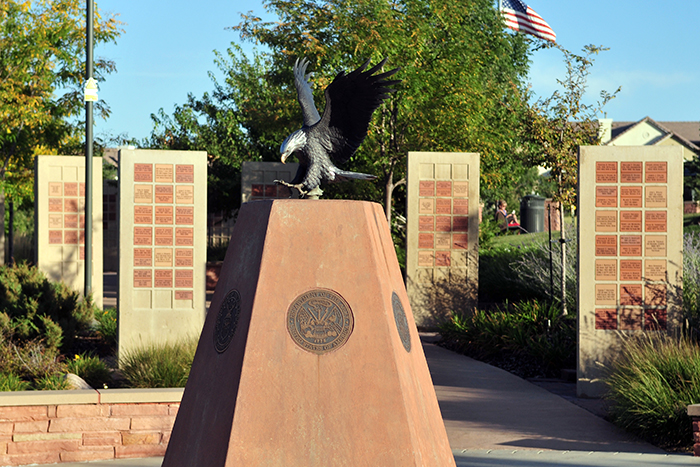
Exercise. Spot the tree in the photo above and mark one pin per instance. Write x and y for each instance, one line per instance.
(463, 87)
(42, 47)
(462, 76)
(558, 125)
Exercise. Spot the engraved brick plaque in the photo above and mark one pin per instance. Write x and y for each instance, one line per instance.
(143, 172)
(631, 172)
(606, 172)
(656, 172)
(164, 173)
(630, 196)
(606, 221)
(606, 270)
(630, 245)
(606, 245)
(184, 173)
(426, 240)
(606, 196)
(606, 318)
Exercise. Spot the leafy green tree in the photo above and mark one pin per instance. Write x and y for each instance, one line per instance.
(558, 126)
(462, 88)
(42, 45)
(462, 76)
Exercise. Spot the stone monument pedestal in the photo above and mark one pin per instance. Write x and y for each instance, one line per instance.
(309, 355)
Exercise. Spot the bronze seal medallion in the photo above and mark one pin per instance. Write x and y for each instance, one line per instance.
(320, 321)
(401, 321)
(227, 320)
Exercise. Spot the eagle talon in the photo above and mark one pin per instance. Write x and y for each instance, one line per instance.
(290, 185)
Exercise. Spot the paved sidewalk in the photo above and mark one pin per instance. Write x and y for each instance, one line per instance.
(496, 419)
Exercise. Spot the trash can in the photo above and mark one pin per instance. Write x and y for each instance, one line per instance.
(532, 213)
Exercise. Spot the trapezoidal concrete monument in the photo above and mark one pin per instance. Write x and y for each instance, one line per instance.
(309, 355)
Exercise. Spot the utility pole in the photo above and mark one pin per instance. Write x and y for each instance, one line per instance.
(90, 97)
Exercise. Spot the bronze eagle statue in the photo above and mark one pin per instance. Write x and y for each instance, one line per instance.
(323, 142)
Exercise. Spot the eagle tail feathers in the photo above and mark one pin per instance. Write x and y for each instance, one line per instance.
(341, 175)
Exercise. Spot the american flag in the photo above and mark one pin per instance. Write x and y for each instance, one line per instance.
(520, 17)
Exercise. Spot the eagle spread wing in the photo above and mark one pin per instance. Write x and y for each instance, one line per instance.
(350, 101)
(334, 137)
(304, 93)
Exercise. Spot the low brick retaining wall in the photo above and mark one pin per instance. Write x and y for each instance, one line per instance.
(694, 414)
(44, 427)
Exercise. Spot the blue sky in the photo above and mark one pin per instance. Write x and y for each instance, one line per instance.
(167, 49)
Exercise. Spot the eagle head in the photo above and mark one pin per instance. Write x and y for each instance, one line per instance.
(294, 142)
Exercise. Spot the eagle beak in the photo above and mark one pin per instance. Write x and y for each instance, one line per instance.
(284, 157)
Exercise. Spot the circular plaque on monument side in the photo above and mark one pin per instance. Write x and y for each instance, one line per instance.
(320, 321)
(227, 320)
(401, 321)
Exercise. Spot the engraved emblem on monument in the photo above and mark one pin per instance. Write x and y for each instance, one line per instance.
(401, 321)
(320, 321)
(227, 320)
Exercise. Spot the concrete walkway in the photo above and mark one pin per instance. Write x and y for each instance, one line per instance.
(496, 419)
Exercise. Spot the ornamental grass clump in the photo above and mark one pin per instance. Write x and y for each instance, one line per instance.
(159, 365)
(651, 383)
(691, 283)
(94, 371)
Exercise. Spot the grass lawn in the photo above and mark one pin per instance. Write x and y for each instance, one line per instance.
(691, 223)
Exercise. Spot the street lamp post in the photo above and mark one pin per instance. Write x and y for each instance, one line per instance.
(89, 98)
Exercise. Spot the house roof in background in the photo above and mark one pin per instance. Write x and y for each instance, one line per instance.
(688, 132)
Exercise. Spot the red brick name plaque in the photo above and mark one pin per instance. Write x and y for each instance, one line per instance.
(630, 245)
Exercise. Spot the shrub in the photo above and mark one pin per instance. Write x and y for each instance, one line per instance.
(107, 325)
(12, 382)
(53, 382)
(159, 365)
(532, 269)
(529, 338)
(652, 381)
(488, 229)
(31, 361)
(89, 367)
(35, 308)
(499, 281)
(691, 282)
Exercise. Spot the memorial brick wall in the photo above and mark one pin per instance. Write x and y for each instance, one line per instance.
(630, 250)
(442, 234)
(258, 180)
(162, 245)
(59, 190)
